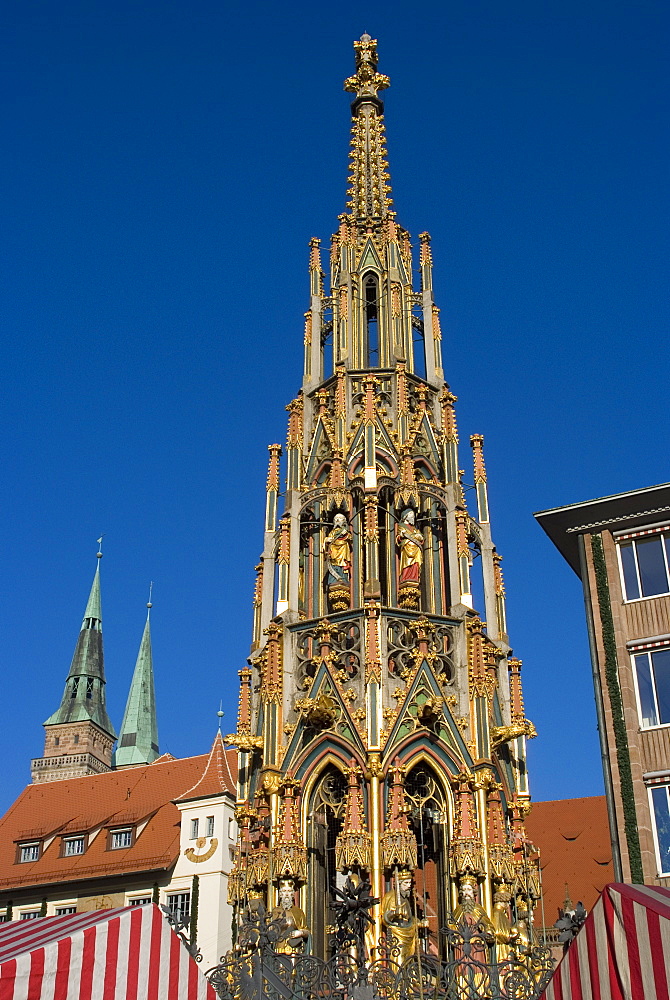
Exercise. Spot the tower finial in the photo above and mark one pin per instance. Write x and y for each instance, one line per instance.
(149, 604)
(369, 190)
(366, 81)
(220, 714)
(99, 552)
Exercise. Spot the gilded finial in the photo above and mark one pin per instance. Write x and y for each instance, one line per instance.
(369, 182)
(366, 81)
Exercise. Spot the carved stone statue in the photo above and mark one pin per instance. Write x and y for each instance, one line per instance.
(505, 934)
(471, 919)
(337, 550)
(291, 919)
(409, 540)
(398, 917)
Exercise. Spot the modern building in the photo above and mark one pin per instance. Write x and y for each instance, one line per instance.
(381, 724)
(161, 832)
(619, 546)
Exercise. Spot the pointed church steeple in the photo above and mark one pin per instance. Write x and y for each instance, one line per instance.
(79, 735)
(138, 739)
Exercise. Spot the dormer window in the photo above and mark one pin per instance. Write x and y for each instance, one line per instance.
(29, 852)
(118, 839)
(73, 846)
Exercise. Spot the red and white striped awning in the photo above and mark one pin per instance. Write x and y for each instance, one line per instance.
(623, 950)
(125, 954)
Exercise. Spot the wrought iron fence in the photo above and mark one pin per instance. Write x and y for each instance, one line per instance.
(471, 971)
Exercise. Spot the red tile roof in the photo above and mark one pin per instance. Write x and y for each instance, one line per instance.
(217, 776)
(142, 797)
(574, 841)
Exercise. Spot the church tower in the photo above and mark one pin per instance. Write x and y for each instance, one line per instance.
(138, 739)
(79, 736)
(381, 723)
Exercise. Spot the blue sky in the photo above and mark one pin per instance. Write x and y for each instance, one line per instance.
(164, 167)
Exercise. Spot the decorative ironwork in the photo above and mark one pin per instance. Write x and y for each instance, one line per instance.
(256, 971)
(179, 925)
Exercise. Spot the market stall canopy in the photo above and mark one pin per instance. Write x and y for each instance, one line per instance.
(130, 953)
(623, 950)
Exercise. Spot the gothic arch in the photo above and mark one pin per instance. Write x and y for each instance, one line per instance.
(323, 806)
(430, 803)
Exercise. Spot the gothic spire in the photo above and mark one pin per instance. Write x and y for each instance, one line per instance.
(138, 739)
(84, 696)
(369, 187)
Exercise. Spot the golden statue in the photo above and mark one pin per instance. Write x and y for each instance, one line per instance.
(337, 550)
(402, 926)
(470, 912)
(291, 919)
(505, 934)
(409, 540)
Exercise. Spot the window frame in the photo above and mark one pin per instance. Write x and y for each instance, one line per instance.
(65, 910)
(23, 847)
(194, 828)
(116, 831)
(646, 650)
(652, 813)
(139, 900)
(71, 840)
(631, 538)
(178, 915)
(30, 914)
(210, 826)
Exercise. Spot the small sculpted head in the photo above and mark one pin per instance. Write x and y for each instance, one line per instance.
(339, 521)
(408, 516)
(286, 896)
(405, 886)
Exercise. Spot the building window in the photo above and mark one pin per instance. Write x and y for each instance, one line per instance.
(179, 906)
(120, 838)
(661, 811)
(29, 915)
(72, 846)
(29, 852)
(195, 823)
(652, 670)
(57, 741)
(76, 737)
(644, 564)
(210, 826)
(140, 901)
(64, 911)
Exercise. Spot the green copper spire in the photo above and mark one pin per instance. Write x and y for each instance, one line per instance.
(84, 696)
(138, 739)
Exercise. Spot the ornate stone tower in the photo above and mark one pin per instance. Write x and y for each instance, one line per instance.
(381, 723)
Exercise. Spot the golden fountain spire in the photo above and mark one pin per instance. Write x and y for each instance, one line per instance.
(369, 187)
